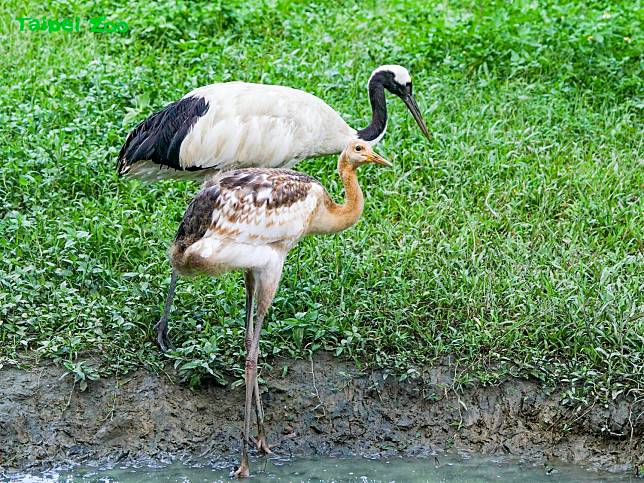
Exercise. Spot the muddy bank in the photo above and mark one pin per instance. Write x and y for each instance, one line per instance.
(317, 408)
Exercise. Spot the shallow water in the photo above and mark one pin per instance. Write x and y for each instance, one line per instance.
(444, 468)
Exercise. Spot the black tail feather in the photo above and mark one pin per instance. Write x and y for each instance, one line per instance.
(158, 138)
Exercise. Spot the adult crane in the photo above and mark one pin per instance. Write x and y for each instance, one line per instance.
(233, 125)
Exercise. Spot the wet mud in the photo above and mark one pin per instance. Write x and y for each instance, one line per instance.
(313, 407)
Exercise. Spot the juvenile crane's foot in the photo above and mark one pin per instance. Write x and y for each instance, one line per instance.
(262, 445)
(242, 471)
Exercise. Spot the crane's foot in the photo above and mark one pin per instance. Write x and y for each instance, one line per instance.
(262, 445)
(243, 470)
(164, 342)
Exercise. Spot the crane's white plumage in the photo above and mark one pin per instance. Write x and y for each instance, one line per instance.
(233, 125)
(261, 125)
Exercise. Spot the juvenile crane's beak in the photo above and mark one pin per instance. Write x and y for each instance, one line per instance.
(410, 102)
(376, 158)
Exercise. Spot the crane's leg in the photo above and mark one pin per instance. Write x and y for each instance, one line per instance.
(162, 326)
(267, 281)
(249, 280)
(243, 471)
(262, 445)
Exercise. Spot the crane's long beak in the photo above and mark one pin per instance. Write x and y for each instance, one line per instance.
(376, 158)
(410, 102)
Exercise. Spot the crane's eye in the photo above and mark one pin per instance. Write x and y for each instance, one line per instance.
(358, 148)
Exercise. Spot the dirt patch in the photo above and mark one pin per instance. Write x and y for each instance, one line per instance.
(319, 407)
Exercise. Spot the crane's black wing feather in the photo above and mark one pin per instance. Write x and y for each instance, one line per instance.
(158, 138)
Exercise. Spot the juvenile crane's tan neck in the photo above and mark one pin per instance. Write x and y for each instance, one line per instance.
(334, 217)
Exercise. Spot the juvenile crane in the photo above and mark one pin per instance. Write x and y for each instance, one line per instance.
(248, 219)
(233, 125)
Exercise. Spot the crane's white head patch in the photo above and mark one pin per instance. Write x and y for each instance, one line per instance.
(401, 75)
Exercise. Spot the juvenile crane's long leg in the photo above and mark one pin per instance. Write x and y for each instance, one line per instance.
(259, 410)
(162, 326)
(267, 281)
(262, 445)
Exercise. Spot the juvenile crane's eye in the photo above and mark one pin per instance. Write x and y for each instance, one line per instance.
(358, 148)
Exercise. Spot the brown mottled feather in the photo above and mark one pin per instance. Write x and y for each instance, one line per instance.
(240, 197)
(197, 217)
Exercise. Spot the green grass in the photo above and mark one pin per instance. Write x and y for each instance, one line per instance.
(514, 240)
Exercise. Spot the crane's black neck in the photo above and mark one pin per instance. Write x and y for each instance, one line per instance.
(376, 128)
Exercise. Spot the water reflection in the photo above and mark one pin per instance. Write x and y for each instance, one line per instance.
(443, 468)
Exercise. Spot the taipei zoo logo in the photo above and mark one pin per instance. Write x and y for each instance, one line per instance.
(98, 24)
